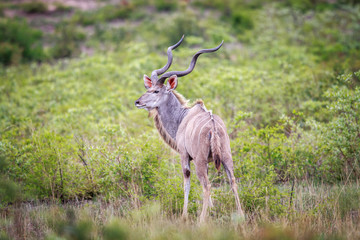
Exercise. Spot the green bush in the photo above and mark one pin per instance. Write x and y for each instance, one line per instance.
(317, 5)
(185, 23)
(67, 42)
(10, 54)
(241, 20)
(9, 190)
(166, 5)
(61, 7)
(117, 12)
(84, 18)
(110, 35)
(19, 42)
(2, 7)
(341, 135)
(104, 14)
(34, 7)
(43, 171)
(224, 6)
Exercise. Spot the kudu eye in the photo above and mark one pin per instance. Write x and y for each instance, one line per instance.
(156, 91)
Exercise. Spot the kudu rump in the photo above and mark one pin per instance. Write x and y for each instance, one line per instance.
(194, 132)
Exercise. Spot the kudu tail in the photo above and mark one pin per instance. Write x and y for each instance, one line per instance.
(215, 146)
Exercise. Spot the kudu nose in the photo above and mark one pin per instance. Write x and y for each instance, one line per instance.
(137, 102)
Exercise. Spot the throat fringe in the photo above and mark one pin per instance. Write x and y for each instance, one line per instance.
(162, 131)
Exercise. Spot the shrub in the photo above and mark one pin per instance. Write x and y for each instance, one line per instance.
(166, 5)
(34, 7)
(106, 13)
(9, 191)
(117, 12)
(261, 160)
(222, 5)
(67, 41)
(10, 54)
(184, 23)
(241, 20)
(84, 18)
(2, 7)
(61, 7)
(342, 134)
(45, 167)
(19, 41)
(110, 35)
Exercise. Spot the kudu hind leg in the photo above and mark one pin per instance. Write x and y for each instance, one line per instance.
(210, 201)
(230, 173)
(186, 172)
(201, 172)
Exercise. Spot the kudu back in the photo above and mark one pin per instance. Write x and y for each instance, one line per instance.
(194, 132)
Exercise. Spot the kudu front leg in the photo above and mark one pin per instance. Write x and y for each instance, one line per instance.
(185, 163)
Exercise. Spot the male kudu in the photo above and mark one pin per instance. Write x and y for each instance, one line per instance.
(195, 133)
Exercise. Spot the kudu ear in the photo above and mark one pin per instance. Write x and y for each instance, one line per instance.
(147, 82)
(172, 83)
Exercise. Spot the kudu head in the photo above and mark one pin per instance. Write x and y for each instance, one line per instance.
(157, 93)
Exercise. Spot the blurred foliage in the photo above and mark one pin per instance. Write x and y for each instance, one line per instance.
(166, 5)
(19, 42)
(106, 13)
(318, 5)
(10, 54)
(34, 7)
(342, 134)
(67, 41)
(9, 190)
(61, 7)
(308, 24)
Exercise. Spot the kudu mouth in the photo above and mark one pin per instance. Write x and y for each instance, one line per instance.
(139, 105)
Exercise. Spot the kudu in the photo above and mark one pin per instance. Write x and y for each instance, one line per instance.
(194, 132)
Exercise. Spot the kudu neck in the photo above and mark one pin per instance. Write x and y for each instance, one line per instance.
(171, 114)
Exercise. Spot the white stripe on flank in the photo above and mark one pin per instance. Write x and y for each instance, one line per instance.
(201, 131)
(192, 134)
(221, 127)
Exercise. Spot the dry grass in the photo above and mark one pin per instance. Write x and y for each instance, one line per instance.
(318, 212)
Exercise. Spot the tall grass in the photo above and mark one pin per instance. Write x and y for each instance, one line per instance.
(318, 212)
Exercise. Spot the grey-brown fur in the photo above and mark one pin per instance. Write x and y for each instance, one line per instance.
(168, 131)
(194, 132)
(199, 137)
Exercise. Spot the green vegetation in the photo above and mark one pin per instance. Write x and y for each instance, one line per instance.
(18, 42)
(67, 41)
(166, 5)
(34, 7)
(79, 161)
(107, 13)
